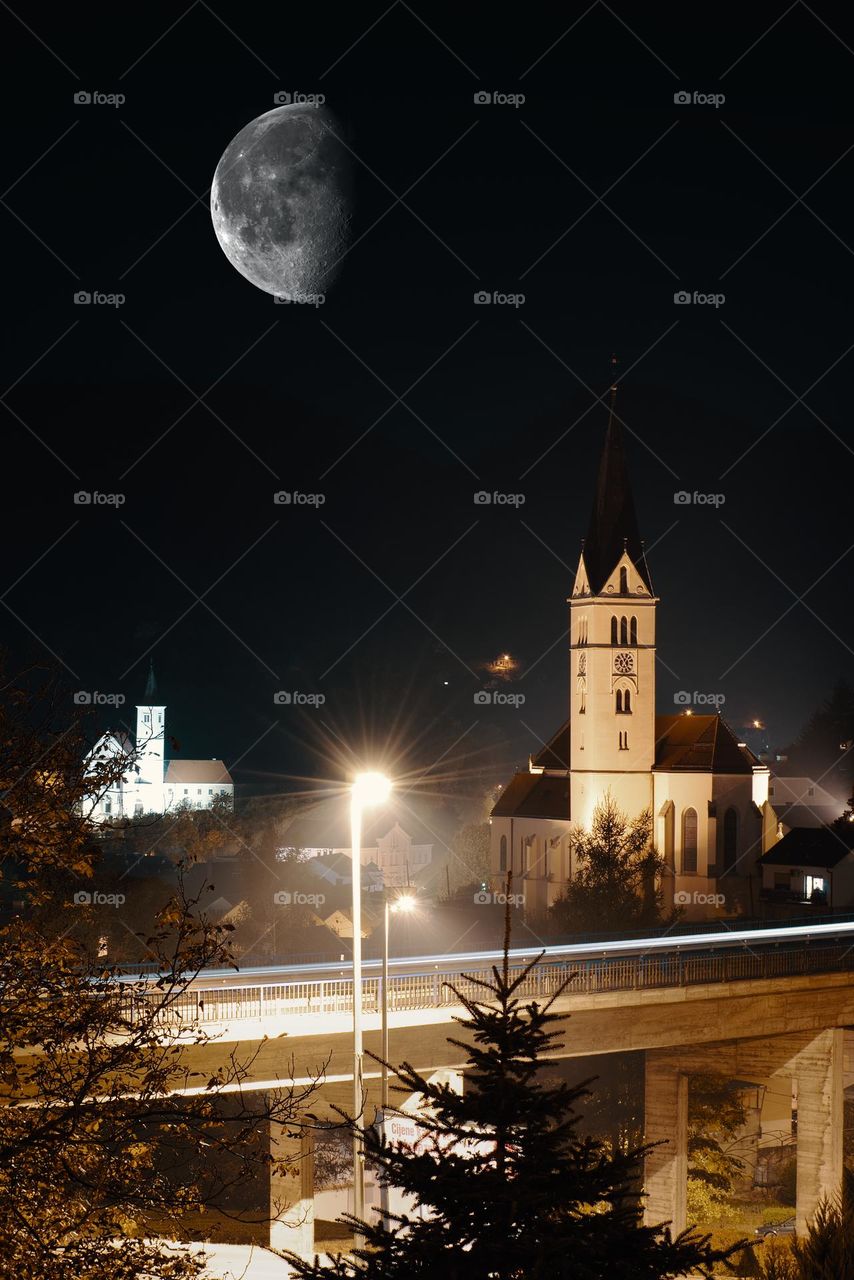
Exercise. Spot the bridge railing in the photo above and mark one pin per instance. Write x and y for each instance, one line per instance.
(428, 990)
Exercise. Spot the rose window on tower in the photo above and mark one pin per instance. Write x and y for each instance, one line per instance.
(624, 663)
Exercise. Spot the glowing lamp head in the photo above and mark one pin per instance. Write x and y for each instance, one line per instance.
(406, 902)
(371, 788)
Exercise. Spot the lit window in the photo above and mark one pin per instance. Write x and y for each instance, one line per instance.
(502, 854)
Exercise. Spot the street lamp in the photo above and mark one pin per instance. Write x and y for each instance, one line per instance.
(368, 789)
(405, 903)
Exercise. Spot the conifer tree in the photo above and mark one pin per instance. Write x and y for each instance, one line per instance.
(503, 1186)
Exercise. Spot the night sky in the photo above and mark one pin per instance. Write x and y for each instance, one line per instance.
(598, 199)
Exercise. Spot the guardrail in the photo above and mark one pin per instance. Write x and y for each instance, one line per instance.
(433, 990)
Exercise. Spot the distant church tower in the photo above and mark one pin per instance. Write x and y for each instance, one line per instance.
(612, 648)
(150, 741)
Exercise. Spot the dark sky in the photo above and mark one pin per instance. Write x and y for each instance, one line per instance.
(750, 199)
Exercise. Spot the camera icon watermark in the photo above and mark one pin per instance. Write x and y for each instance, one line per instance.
(284, 898)
(83, 298)
(686, 698)
(683, 298)
(294, 498)
(697, 899)
(485, 499)
(285, 99)
(85, 498)
(83, 98)
(490, 698)
(484, 98)
(97, 899)
(483, 898)
(696, 98)
(683, 498)
(300, 299)
(483, 298)
(293, 698)
(94, 698)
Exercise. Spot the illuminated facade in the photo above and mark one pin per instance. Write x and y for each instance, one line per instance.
(706, 791)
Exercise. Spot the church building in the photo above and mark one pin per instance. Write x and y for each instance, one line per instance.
(152, 783)
(706, 791)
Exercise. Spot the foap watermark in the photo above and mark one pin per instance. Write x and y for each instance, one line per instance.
(294, 498)
(300, 299)
(684, 298)
(495, 698)
(697, 899)
(683, 498)
(293, 698)
(83, 898)
(483, 298)
(285, 99)
(490, 98)
(95, 98)
(284, 898)
(483, 898)
(85, 298)
(687, 698)
(485, 499)
(696, 98)
(94, 498)
(94, 698)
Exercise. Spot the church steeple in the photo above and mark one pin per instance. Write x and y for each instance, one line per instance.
(613, 522)
(151, 685)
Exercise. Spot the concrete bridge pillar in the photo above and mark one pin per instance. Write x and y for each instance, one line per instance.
(819, 1075)
(666, 1121)
(292, 1190)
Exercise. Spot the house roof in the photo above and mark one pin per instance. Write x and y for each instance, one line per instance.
(700, 744)
(613, 522)
(809, 847)
(197, 771)
(534, 795)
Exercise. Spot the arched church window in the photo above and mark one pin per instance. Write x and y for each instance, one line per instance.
(624, 631)
(689, 841)
(619, 702)
(623, 741)
(730, 838)
(624, 582)
(633, 631)
(627, 702)
(502, 854)
(613, 631)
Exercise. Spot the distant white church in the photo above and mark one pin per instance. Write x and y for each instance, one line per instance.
(706, 791)
(152, 783)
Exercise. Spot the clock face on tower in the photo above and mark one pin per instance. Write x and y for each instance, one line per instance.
(624, 663)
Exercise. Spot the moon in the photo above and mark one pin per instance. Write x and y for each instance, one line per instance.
(281, 203)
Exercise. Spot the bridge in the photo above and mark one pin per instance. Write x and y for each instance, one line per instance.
(774, 1006)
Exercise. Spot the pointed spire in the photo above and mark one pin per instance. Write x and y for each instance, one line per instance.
(151, 685)
(613, 522)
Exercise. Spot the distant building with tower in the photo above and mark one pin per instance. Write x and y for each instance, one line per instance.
(153, 783)
(705, 789)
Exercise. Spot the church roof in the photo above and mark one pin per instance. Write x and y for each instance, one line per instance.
(808, 847)
(613, 522)
(555, 754)
(700, 744)
(196, 771)
(534, 795)
(689, 744)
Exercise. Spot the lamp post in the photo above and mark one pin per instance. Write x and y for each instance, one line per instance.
(368, 789)
(406, 902)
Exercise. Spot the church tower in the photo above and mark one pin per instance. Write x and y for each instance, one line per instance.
(150, 741)
(612, 648)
